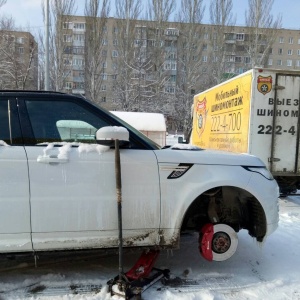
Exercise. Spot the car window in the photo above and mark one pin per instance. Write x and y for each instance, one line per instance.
(62, 121)
(10, 131)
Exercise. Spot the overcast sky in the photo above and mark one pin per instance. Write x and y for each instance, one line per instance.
(27, 13)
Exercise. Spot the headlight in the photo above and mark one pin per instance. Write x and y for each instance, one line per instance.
(262, 171)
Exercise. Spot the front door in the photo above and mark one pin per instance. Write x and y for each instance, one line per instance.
(72, 182)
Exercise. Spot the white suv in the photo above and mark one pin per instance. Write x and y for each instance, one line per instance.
(57, 185)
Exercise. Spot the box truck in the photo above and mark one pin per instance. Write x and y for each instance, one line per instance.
(256, 112)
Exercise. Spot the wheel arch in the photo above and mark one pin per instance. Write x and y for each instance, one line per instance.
(229, 205)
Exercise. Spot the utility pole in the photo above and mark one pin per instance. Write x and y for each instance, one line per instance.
(47, 46)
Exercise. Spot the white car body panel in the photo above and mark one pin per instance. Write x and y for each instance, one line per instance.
(14, 201)
(74, 202)
(178, 194)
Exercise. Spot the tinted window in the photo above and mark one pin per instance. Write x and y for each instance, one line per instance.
(10, 131)
(58, 121)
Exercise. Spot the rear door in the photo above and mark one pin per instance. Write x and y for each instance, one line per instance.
(284, 157)
(72, 180)
(14, 183)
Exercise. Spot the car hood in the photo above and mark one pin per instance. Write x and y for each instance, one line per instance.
(195, 155)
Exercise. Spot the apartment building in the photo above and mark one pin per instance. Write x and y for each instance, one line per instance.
(283, 54)
(18, 60)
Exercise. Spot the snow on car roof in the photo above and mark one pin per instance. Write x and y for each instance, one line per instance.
(143, 121)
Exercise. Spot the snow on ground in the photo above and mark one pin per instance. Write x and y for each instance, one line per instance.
(270, 271)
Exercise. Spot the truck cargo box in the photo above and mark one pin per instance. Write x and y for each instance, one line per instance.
(256, 112)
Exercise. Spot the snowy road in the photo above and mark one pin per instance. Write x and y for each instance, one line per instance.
(271, 271)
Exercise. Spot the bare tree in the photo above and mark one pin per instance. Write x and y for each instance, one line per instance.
(221, 17)
(18, 55)
(95, 63)
(125, 56)
(192, 46)
(162, 52)
(60, 43)
(7, 23)
(2, 2)
(261, 30)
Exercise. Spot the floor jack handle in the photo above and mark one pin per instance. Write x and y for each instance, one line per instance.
(119, 201)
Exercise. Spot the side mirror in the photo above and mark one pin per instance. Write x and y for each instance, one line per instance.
(107, 135)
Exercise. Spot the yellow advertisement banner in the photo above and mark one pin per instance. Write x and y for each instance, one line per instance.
(221, 116)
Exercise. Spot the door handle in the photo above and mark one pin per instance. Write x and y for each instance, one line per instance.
(52, 159)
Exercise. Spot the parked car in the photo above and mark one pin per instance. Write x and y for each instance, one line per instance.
(57, 185)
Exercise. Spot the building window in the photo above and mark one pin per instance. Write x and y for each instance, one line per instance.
(78, 85)
(170, 89)
(195, 58)
(298, 63)
(247, 60)
(78, 62)
(298, 51)
(279, 62)
(104, 53)
(114, 53)
(104, 76)
(20, 40)
(114, 76)
(104, 29)
(240, 36)
(67, 38)
(204, 58)
(204, 47)
(238, 59)
(78, 37)
(80, 26)
(104, 42)
(78, 50)
(114, 66)
(230, 58)
(206, 36)
(104, 65)
(67, 25)
(172, 31)
(21, 50)
(67, 62)
(115, 42)
(172, 78)
(280, 51)
(171, 55)
(115, 30)
(270, 62)
(281, 40)
(103, 99)
(291, 40)
(289, 63)
(103, 87)
(271, 51)
(69, 85)
(290, 52)
(170, 66)
(215, 59)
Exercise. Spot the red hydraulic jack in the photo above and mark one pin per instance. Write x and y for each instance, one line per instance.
(140, 277)
(143, 274)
